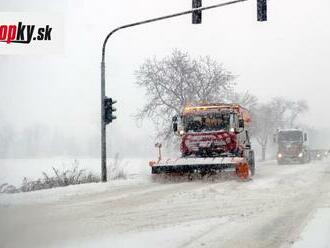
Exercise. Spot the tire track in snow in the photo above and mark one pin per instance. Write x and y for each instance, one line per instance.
(273, 225)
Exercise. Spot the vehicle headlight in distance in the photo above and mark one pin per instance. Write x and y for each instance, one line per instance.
(181, 132)
(300, 155)
(279, 155)
(318, 155)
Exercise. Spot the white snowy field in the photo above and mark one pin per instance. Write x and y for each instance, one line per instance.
(13, 171)
(282, 206)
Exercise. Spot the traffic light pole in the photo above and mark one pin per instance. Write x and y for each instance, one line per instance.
(103, 124)
(103, 128)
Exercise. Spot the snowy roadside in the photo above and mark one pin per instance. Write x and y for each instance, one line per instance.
(13, 171)
(136, 169)
(317, 231)
(62, 193)
(268, 211)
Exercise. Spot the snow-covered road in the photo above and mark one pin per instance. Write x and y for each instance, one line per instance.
(269, 211)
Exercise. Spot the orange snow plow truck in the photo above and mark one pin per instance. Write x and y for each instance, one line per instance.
(214, 139)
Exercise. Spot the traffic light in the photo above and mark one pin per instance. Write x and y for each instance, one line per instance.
(196, 15)
(108, 110)
(262, 10)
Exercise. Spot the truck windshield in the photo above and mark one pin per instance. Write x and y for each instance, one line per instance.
(206, 122)
(290, 136)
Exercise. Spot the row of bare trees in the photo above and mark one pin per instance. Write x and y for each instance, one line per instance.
(178, 79)
(170, 83)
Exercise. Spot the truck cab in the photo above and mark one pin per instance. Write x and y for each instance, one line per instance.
(214, 130)
(292, 146)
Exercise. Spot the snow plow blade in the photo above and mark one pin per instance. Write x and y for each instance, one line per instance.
(201, 166)
(196, 168)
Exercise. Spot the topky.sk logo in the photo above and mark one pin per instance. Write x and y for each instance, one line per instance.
(21, 33)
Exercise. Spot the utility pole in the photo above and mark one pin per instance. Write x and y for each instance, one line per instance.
(196, 17)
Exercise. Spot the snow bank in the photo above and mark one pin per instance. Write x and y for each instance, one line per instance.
(317, 231)
(68, 192)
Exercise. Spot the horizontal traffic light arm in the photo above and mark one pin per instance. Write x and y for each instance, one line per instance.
(163, 18)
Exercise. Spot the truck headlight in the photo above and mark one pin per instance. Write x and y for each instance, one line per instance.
(300, 155)
(279, 155)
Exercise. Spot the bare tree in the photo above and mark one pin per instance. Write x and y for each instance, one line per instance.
(264, 124)
(179, 80)
(295, 109)
(245, 99)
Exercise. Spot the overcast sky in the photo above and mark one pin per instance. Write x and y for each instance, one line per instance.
(287, 56)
